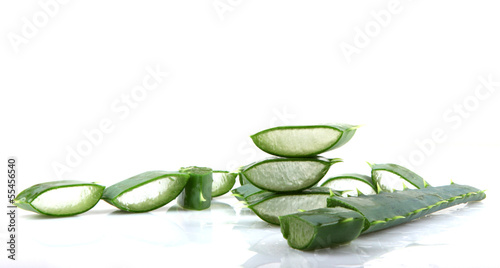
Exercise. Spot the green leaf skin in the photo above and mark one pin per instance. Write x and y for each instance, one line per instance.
(197, 194)
(25, 198)
(406, 174)
(242, 179)
(246, 193)
(346, 133)
(113, 192)
(276, 179)
(385, 210)
(321, 228)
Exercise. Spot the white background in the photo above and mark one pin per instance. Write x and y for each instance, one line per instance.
(412, 80)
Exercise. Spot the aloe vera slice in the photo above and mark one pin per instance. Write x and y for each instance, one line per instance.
(390, 177)
(303, 141)
(389, 209)
(321, 228)
(269, 206)
(146, 191)
(223, 182)
(288, 174)
(197, 194)
(60, 198)
(351, 184)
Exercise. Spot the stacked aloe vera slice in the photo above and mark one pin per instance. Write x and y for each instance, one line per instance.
(286, 183)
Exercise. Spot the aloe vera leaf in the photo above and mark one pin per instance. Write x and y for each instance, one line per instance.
(390, 177)
(242, 179)
(351, 183)
(385, 210)
(288, 174)
(321, 228)
(146, 191)
(60, 198)
(303, 141)
(223, 182)
(247, 193)
(197, 194)
(269, 206)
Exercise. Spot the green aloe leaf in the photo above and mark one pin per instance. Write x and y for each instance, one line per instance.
(389, 209)
(303, 141)
(248, 193)
(60, 198)
(269, 206)
(351, 184)
(146, 191)
(347, 217)
(287, 174)
(197, 194)
(223, 182)
(321, 228)
(390, 177)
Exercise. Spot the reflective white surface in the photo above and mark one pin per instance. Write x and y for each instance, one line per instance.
(228, 235)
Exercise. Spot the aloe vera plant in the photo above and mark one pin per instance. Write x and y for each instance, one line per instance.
(303, 141)
(379, 212)
(60, 198)
(146, 191)
(287, 174)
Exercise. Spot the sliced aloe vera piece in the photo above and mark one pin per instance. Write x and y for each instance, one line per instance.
(321, 228)
(146, 191)
(197, 194)
(288, 174)
(303, 141)
(223, 182)
(60, 198)
(269, 206)
(351, 184)
(390, 177)
(389, 209)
